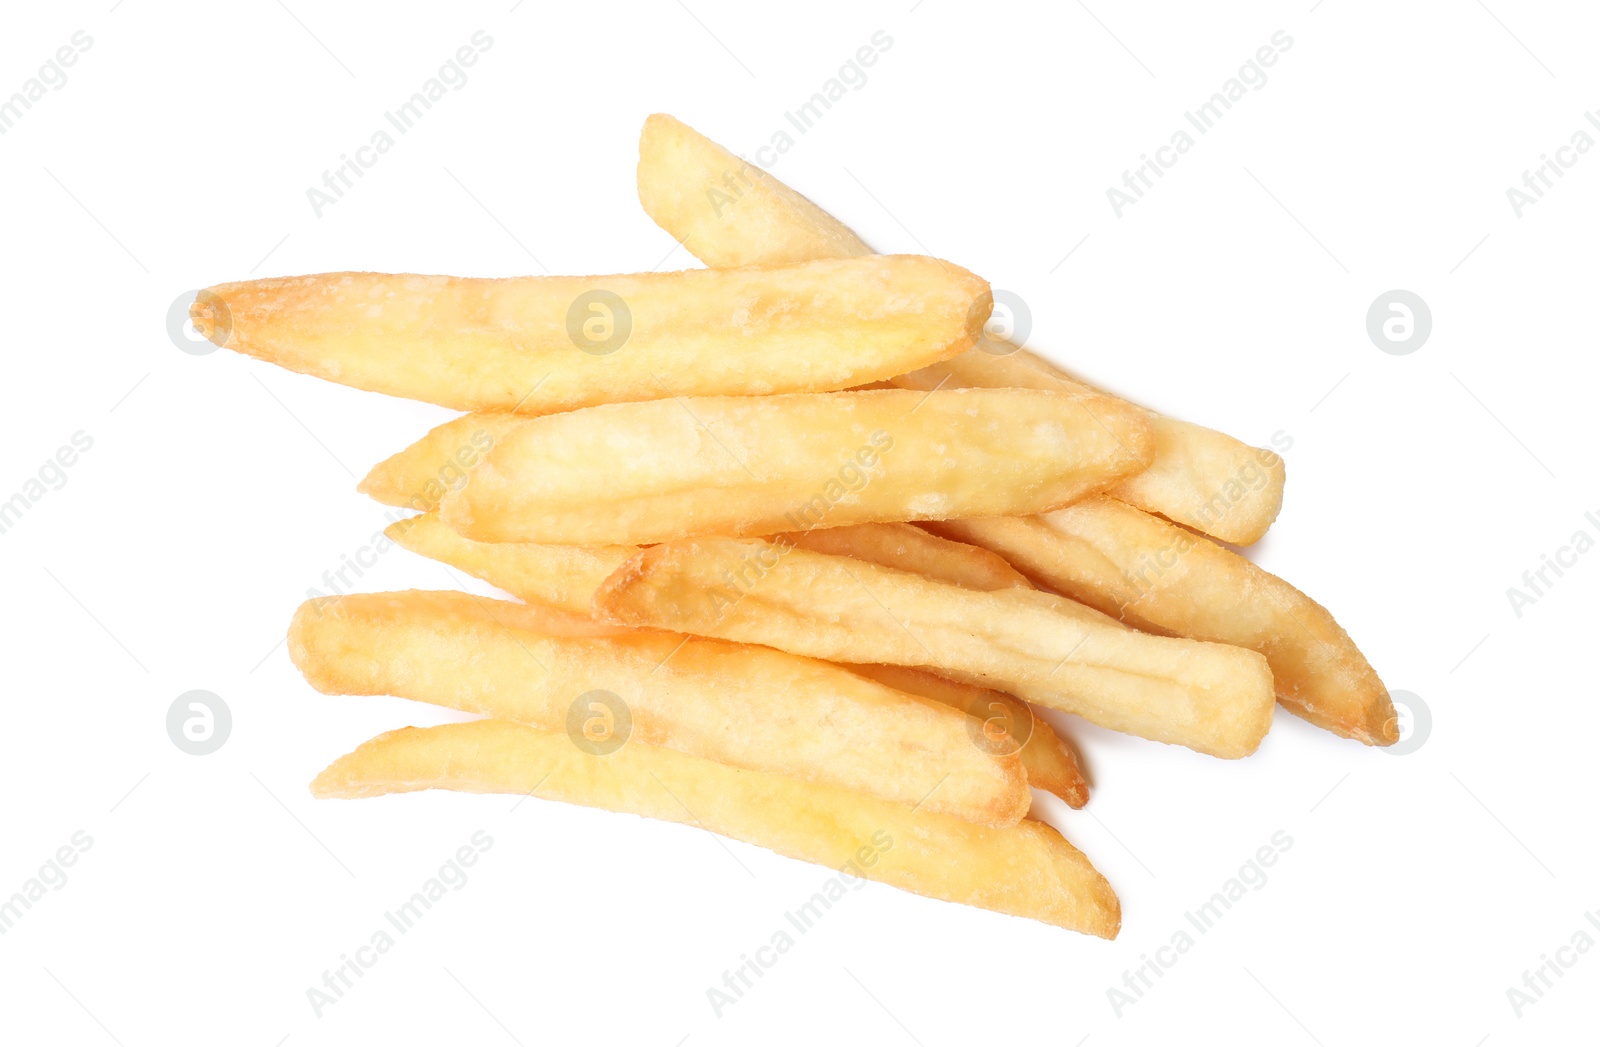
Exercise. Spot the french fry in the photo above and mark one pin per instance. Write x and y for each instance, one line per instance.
(567, 576)
(563, 576)
(1199, 477)
(420, 476)
(1211, 697)
(538, 344)
(910, 548)
(728, 212)
(1007, 722)
(1165, 579)
(1025, 870)
(631, 474)
(740, 705)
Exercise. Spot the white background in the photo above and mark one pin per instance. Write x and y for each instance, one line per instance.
(1418, 888)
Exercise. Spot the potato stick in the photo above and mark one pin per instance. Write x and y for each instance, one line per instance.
(1210, 697)
(564, 576)
(631, 474)
(1165, 579)
(910, 548)
(537, 344)
(726, 211)
(1009, 723)
(740, 705)
(567, 576)
(1025, 870)
(730, 213)
(420, 476)
(1202, 478)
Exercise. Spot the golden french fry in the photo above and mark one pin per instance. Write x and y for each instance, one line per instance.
(726, 211)
(567, 576)
(564, 576)
(1197, 476)
(730, 213)
(740, 705)
(1210, 697)
(910, 548)
(1025, 869)
(651, 472)
(1165, 579)
(1007, 723)
(538, 344)
(420, 476)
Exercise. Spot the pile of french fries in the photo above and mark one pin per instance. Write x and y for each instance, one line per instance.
(797, 546)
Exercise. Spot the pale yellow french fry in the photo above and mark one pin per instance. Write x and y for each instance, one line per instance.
(730, 213)
(910, 548)
(1211, 697)
(567, 576)
(563, 576)
(1025, 870)
(636, 473)
(727, 212)
(1197, 476)
(1163, 578)
(564, 579)
(420, 476)
(537, 344)
(741, 705)
(1007, 723)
